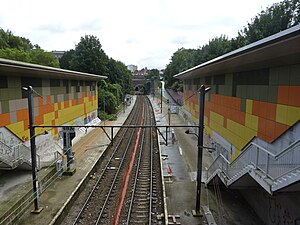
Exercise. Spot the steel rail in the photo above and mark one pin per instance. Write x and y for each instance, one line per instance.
(124, 132)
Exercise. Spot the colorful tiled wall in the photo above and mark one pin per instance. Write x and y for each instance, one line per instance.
(55, 105)
(265, 111)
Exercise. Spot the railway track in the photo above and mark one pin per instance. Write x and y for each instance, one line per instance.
(126, 187)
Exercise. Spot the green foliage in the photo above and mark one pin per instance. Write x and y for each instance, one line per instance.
(39, 56)
(89, 56)
(153, 73)
(66, 60)
(181, 60)
(20, 49)
(118, 73)
(278, 17)
(9, 40)
(107, 101)
(14, 54)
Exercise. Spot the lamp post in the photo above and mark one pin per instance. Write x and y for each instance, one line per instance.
(33, 150)
(161, 87)
(202, 92)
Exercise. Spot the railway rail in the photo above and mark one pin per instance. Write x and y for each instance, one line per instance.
(126, 187)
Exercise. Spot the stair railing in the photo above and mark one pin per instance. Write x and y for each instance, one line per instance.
(272, 166)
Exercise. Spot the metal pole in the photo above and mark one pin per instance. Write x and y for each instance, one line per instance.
(200, 144)
(33, 151)
(161, 97)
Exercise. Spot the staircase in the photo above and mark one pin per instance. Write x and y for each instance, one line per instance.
(15, 157)
(270, 171)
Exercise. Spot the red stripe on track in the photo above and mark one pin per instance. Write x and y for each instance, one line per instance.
(127, 174)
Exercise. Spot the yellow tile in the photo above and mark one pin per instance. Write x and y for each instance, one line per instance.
(249, 104)
(217, 118)
(56, 106)
(48, 117)
(293, 115)
(251, 122)
(281, 114)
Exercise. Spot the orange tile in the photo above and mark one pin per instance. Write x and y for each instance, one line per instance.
(26, 124)
(56, 114)
(4, 119)
(262, 111)
(59, 106)
(22, 115)
(271, 111)
(48, 97)
(73, 102)
(294, 96)
(53, 122)
(255, 108)
(261, 125)
(283, 95)
(38, 120)
(270, 128)
(40, 101)
(265, 137)
(280, 129)
(67, 104)
(55, 131)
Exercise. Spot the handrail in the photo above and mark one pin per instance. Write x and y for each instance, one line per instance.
(273, 166)
(287, 149)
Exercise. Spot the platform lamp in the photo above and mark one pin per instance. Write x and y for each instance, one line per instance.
(37, 209)
(202, 91)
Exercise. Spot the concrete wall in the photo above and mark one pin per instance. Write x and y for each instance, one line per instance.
(243, 105)
(280, 209)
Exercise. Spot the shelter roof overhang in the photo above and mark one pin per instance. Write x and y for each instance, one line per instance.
(279, 49)
(15, 68)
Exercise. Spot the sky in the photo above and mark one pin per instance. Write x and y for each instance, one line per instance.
(138, 32)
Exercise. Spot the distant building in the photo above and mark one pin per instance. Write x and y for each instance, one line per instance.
(58, 54)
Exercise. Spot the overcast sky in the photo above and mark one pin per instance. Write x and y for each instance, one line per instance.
(139, 32)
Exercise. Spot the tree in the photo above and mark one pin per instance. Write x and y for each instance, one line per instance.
(119, 74)
(181, 60)
(89, 56)
(66, 61)
(278, 17)
(15, 54)
(39, 56)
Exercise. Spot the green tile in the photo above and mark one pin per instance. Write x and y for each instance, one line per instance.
(295, 75)
(263, 92)
(284, 76)
(14, 93)
(272, 94)
(243, 105)
(5, 106)
(228, 79)
(241, 91)
(225, 90)
(14, 82)
(46, 82)
(273, 77)
(4, 94)
(252, 92)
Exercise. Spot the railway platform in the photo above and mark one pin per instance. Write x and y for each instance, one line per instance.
(179, 166)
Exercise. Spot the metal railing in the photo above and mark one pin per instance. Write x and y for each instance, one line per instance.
(16, 155)
(271, 165)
